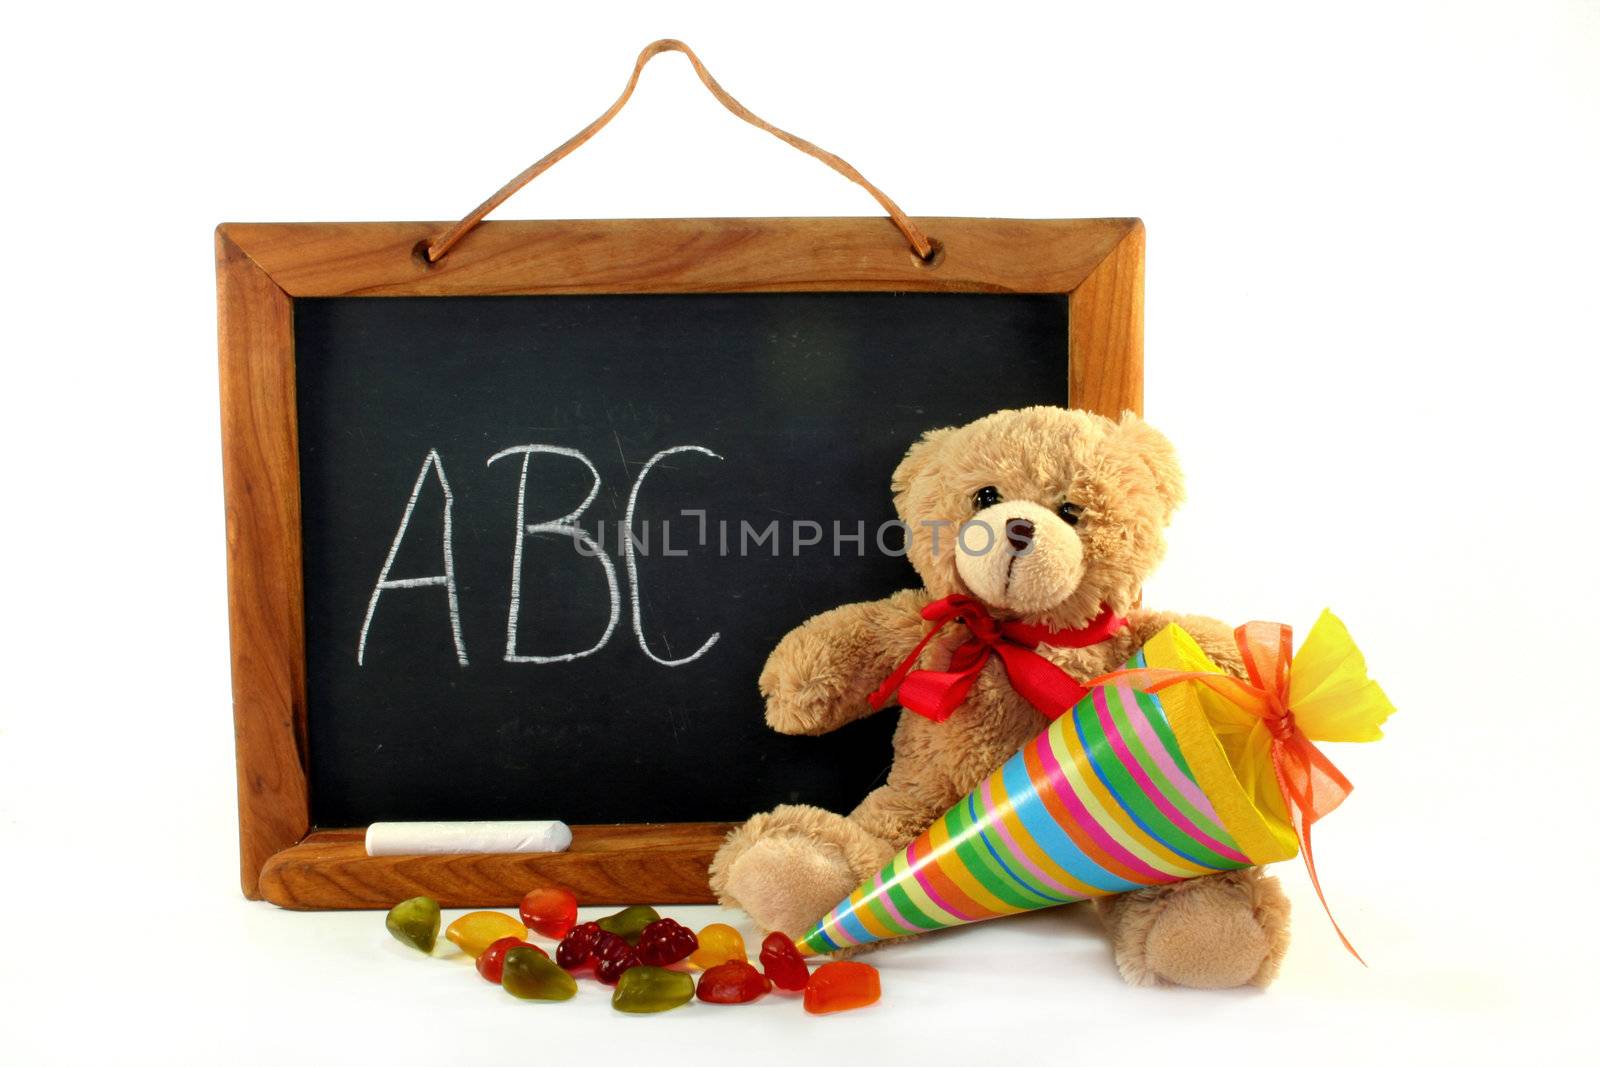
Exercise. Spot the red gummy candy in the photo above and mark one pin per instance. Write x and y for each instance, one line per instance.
(612, 956)
(577, 948)
(551, 912)
(783, 962)
(665, 941)
(492, 962)
(840, 986)
(733, 982)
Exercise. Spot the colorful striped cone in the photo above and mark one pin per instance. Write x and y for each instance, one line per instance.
(1127, 790)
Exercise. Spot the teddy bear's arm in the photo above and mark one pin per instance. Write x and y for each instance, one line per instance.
(821, 673)
(1214, 638)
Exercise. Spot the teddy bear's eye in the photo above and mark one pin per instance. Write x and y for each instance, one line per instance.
(987, 497)
(1070, 512)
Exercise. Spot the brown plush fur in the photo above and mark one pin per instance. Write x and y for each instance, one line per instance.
(788, 866)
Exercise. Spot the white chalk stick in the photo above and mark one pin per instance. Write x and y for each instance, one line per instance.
(413, 838)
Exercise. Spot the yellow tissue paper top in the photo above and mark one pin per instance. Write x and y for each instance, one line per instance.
(1229, 748)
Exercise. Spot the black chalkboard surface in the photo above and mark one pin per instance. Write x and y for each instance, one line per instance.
(789, 410)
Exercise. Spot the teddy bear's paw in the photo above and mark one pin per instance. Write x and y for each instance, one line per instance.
(808, 708)
(787, 883)
(785, 868)
(1216, 932)
(802, 682)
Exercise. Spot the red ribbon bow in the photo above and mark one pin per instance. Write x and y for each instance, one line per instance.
(936, 694)
(1311, 785)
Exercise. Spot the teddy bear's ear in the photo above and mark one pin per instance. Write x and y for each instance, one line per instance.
(1149, 450)
(919, 459)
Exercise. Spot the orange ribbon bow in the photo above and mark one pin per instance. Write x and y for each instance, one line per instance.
(1311, 785)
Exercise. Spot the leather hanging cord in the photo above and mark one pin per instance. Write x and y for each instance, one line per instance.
(439, 246)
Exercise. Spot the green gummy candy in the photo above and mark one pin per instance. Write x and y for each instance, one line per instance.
(646, 989)
(415, 922)
(532, 976)
(630, 922)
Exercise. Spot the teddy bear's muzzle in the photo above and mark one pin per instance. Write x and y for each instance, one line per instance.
(1020, 556)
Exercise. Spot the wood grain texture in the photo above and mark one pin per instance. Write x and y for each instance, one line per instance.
(681, 256)
(261, 494)
(661, 864)
(1105, 331)
(263, 268)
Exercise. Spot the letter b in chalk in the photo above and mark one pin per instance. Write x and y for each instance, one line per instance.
(566, 525)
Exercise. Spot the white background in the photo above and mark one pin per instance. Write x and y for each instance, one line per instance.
(1373, 238)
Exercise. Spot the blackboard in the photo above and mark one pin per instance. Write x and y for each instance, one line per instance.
(807, 401)
(357, 363)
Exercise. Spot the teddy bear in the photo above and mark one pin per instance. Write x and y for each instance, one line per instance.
(1082, 503)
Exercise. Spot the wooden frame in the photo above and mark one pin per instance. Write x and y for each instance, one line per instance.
(263, 268)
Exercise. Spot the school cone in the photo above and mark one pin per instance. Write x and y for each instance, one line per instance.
(1166, 770)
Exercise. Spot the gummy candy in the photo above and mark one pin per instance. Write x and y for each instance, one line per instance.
(645, 989)
(415, 922)
(578, 946)
(840, 986)
(630, 922)
(665, 941)
(783, 962)
(550, 912)
(477, 930)
(529, 974)
(719, 943)
(491, 963)
(733, 982)
(612, 956)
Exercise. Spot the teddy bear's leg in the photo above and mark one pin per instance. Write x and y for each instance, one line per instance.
(787, 867)
(1223, 930)
(896, 814)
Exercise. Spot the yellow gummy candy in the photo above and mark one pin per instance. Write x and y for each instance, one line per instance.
(719, 943)
(477, 930)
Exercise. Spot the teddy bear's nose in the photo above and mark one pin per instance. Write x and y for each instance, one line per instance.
(1020, 533)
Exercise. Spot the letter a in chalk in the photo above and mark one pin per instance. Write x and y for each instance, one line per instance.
(447, 579)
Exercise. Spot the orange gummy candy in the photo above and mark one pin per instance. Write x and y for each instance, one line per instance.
(719, 943)
(840, 986)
